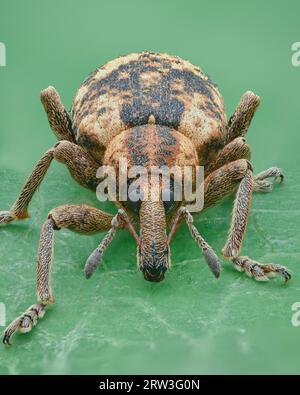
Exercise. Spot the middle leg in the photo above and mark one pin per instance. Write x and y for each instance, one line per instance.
(234, 150)
(221, 183)
(81, 165)
(239, 149)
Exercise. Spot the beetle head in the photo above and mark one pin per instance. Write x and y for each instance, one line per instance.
(153, 212)
(152, 156)
(153, 251)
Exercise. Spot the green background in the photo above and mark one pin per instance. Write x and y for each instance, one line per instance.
(117, 322)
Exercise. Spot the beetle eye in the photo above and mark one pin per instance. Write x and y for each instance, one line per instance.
(167, 196)
(135, 197)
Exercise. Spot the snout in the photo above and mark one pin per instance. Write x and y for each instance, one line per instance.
(153, 257)
(154, 264)
(154, 277)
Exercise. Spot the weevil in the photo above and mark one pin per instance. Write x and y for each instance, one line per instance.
(152, 109)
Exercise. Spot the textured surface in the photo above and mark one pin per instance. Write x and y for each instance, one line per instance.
(117, 322)
(128, 90)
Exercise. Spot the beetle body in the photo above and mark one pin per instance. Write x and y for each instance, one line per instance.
(131, 90)
(153, 110)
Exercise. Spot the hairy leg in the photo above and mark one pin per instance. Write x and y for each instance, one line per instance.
(240, 120)
(83, 219)
(58, 117)
(260, 180)
(260, 272)
(234, 150)
(221, 183)
(239, 149)
(80, 164)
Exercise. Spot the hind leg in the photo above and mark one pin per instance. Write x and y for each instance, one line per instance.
(80, 164)
(58, 117)
(240, 120)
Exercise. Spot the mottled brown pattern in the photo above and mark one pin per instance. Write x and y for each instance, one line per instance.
(151, 145)
(236, 149)
(80, 218)
(80, 163)
(153, 110)
(148, 146)
(222, 182)
(128, 90)
(154, 252)
(240, 120)
(59, 119)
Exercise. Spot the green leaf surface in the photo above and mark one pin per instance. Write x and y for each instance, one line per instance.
(116, 322)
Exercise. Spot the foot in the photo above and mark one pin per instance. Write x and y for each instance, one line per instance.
(6, 217)
(25, 322)
(260, 182)
(260, 272)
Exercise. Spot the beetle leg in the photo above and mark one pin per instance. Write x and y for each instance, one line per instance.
(81, 165)
(240, 120)
(260, 272)
(223, 181)
(239, 149)
(260, 182)
(58, 117)
(6, 217)
(240, 214)
(19, 208)
(83, 219)
(234, 150)
(218, 184)
(25, 322)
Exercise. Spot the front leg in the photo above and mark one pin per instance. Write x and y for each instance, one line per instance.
(83, 219)
(240, 120)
